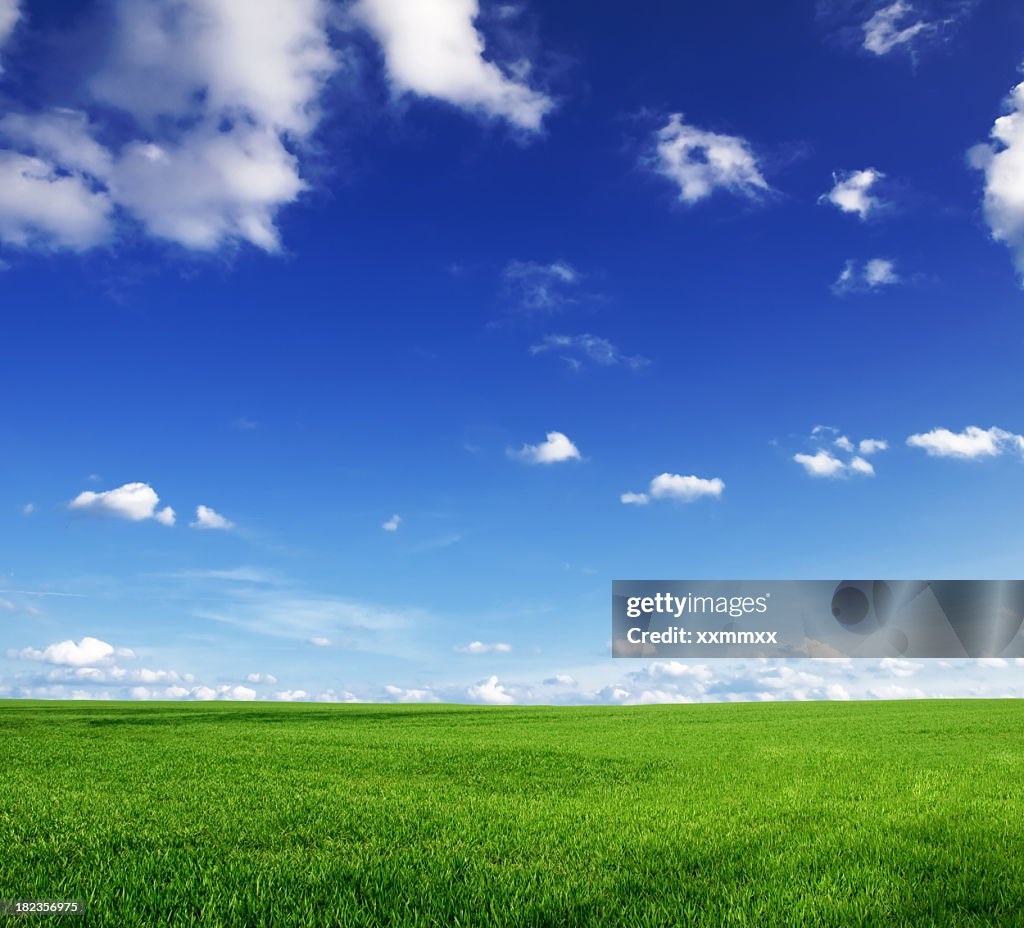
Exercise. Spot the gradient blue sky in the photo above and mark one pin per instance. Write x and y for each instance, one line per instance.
(314, 265)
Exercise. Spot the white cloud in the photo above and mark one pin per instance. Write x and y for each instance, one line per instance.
(899, 667)
(8, 606)
(291, 695)
(320, 642)
(684, 489)
(89, 652)
(28, 509)
(433, 49)
(821, 464)
(851, 192)
(398, 694)
(599, 350)
(492, 692)
(883, 32)
(1003, 164)
(261, 678)
(879, 271)
(555, 448)
(833, 455)
(207, 518)
(43, 208)
(219, 98)
(238, 693)
(392, 524)
(478, 647)
(700, 162)
(216, 186)
(868, 277)
(972, 442)
(535, 286)
(133, 501)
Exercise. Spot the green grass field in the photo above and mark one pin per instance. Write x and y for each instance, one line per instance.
(751, 814)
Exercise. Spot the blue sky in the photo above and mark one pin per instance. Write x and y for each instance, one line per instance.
(448, 314)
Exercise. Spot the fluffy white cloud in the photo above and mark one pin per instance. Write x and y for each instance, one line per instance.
(261, 678)
(320, 642)
(207, 518)
(291, 695)
(212, 187)
(873, 274)
(596, 349)
(555, 448)
(834, 454)
(700, 162)
(824, 464)
(133, 501)
(1003, 164)
(392, 524)
(398, 694)
(684, 489)
(89, 652)
(218, 95)
(492, 692)
(432, 48)
(535, 286)
(479, 647)
(851, 192)
(885, 30)
(41, 207)
(821, 464)
(972, 442)
(179, 58)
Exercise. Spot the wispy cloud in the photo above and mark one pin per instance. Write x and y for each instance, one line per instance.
(479, 647)
(537, 287)
(589, 347)
(866, 278)
(893, 26)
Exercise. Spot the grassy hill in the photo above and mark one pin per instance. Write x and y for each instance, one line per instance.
(751, 814)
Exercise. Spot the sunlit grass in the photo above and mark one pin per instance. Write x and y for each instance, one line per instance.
(267, 814)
